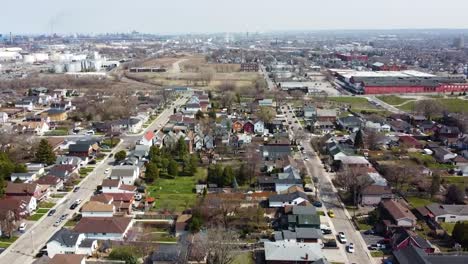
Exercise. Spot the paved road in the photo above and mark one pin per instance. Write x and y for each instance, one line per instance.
(35, 237)
(271, 86)
(329, 197)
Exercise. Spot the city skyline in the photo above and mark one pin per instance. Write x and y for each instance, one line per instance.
(207, 16)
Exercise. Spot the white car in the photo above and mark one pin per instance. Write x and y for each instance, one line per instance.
(106, 171)
(306, 158)
(351, 248)
(342, 238)
(57, 223)
(78, 201)
(22, 227)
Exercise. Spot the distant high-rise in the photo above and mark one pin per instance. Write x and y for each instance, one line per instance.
(459, 43)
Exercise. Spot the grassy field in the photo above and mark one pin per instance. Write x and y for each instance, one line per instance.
(418, 202)
(453, 105)
(176, 194)
(393, 99)
(45, 205)
(356, 103)
(42, 211)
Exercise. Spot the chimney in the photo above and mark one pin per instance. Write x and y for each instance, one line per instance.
(306, 256)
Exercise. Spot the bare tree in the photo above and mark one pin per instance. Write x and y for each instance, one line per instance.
(222, 246)
(429, 108)
(206, 75)
(353, 179)
(8, 222)
(266, 114)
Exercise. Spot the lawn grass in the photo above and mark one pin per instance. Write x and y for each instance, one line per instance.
(377, 254)
(176, 194)
(4, 245)
(45, 204)
(35, 217)
(243, 258)
(58, 195)
(457, 180)
(448, 227)
(42, 211)
(8, 240)
(393, 99)
(363, 225)
(356, 103)
(453, 105)
(418, 202)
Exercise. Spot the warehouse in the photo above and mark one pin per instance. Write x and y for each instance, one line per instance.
(390, 82)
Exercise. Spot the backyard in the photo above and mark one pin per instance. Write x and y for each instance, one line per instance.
(176, 194)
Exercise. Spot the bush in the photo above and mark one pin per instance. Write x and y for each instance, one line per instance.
(124, 253)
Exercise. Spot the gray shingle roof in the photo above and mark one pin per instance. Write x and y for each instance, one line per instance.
(65, 237)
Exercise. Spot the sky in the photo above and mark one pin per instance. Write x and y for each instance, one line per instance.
(207, 16)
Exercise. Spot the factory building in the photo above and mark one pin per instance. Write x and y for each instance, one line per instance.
(391, 82)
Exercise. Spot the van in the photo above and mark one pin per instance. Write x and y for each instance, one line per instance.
(90, 132)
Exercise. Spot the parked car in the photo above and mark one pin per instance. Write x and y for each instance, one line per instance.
(51, 212)
(106, 171)
(63, 217)
(76, 188)
(57, 223)
(369, 232)
(351, 248)
(317, 204)
(73, 206)
(22, 227)
(331, 213)
(342, 238)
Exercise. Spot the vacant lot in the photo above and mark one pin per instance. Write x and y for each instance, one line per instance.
(452, 105)
(393, 99)
(176, 194)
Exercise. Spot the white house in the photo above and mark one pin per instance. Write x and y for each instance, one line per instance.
(126, 174)
(27, 105)
(29, 201)
(97, 209)
(26, 177)
(116, 186)
(147, 139)
(3, 117)
(450, 213)
(259, 127)
(104, 228)
(282, 200)
(66, 241)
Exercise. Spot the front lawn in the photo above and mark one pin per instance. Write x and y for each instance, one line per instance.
(35, 217)
(45, 204)
(244, 258)
(377, 254)
(8, 240)
(42, 211)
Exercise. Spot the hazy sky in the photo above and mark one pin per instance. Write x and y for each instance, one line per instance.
(183, 16)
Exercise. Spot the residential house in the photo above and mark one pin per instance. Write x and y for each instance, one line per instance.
(26, 189)
(55, 183)
(300, 234)
(116, 186)
(3, 117)
(403, 238)
(400, 126)
(448, 213)
(26, 177)
(410, 142)
(182, 223)
(97, 209)
(448, 132)
(63, 171)
(21, 206)
(309, 112)
(55, 115)
(208, 142)
(66, 241)
(68, 259)
(350, 123)
(274, 151)
(83, 148)
(285, 252)
(148, 139)
(326, 115)
(37, 168)
(281, 181)
(443, 155)
(349, 162)
(374, 194)
(38, 128)
(62, 105)
(414, 254)
(462, 143)
(123, 202)
(104, 228)
(237, 126)
(249, 127)
(141, 152)
(399, 214)
(323, 127)
(25, 104)
(71, 160)
(125, 174)
(259, 127)
(282, 200)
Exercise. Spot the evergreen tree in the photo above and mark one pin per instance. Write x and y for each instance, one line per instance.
(242, 174)
(152, 172)
(199, 115)
(181, 148)
(460, 233)
(212, 114)
(359, 140)
(121, 155)
(45, 154)
(228, 176)
(435, 184)
(173, 168)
